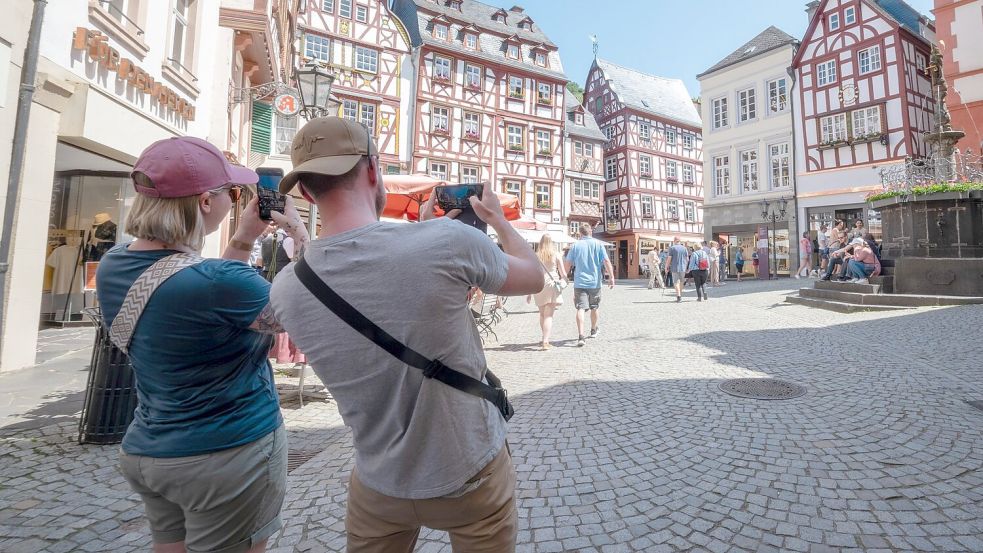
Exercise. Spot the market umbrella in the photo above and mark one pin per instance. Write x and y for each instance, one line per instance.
(406, 193)
(526, 222)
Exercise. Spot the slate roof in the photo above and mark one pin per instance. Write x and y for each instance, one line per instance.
(656, 95)
(904, 14)
(416, 17)
(769, 39)
(590, 129)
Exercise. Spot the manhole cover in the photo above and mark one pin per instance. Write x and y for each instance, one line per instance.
(296, 458)
(761, 388)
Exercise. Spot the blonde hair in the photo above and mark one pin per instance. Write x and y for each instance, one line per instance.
(173, 221)
(714, 244)
(546, 251)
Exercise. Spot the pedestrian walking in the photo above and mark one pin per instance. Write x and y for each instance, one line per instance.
(429, 392)
(667, 274)
(756, 264)
(822, 238)
(805, 256)
(551, 297)
(739, 263)
(700, 265)
(655, 269)
(678, 261)
(207, 450)
(588, 258)
(714, 255)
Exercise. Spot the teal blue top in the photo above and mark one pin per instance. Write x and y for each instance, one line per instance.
(204, 380)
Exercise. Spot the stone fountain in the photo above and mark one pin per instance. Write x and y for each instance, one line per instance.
(935, 239)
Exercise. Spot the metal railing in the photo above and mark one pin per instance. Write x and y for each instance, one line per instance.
(184, 69)
(924, 171)
(112, 9)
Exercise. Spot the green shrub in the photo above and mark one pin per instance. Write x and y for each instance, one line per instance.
(928, 189)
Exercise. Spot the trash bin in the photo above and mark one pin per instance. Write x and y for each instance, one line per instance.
(111, 393)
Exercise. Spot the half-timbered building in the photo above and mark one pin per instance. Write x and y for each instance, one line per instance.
(368, 49)
(747, 133)
(653, 161)
(583, 146)
(489, 101)
(863, 102)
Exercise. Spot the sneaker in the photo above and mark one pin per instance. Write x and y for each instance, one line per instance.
(699, 299)
(797, 276)
(825, 278)
(863, 281)
(593, 333)
(581, 342)
(679, 299)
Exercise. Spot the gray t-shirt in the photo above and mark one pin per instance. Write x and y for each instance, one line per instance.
(414, 438)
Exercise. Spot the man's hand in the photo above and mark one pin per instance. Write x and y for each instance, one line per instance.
(290, 221)
(428, 212)
(488, 208)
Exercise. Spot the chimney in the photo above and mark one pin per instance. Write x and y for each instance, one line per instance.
(811, 8)
(516, 9)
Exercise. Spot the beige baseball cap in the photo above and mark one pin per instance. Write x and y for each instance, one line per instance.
(327, 146)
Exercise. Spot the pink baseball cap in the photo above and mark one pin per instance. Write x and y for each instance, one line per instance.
(187, 166)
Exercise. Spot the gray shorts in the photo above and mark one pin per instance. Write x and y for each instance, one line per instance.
(586, 298)
(221, 502)
(678, 277)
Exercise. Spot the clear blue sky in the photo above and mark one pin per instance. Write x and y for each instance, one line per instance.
(669, 38)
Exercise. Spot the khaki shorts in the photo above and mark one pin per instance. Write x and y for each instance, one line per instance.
(481, 520)
(586, 298)
(221, 502)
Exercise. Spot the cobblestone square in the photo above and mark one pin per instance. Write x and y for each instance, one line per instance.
(627, 444)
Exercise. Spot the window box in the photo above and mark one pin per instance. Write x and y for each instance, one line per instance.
(473, 86)
(471, 135)
(544, 101)
(547, 153)
(516, 148)
(647, 174)
(516, 95)
(672, 179)
(440, 132)
(544, 205)
(441, 79)
(870, 137)
(831, 144)
(688, 182)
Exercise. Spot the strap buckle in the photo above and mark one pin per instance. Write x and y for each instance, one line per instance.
(434, 368)
(503, 403)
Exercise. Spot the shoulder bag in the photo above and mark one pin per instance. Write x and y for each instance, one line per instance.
(557, 285)
(493, 392)
(140, 292)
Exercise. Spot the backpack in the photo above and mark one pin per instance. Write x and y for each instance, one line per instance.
(704, 262)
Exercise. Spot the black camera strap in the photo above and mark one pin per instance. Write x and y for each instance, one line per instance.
(432, 368)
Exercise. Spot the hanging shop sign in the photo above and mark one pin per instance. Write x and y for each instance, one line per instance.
(97, 46)
(287, 104)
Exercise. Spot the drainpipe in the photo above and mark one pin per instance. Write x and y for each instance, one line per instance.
(415, 55)
(24, 101)
(795, 180)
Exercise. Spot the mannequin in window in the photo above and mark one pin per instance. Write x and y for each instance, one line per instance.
(102, 237)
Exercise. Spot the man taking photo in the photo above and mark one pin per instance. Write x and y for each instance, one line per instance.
(588, 257)
(426, 453)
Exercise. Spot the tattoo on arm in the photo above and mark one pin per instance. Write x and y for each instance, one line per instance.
(266, 322)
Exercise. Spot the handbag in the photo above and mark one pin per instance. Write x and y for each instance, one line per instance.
(493, 392)
(557, 285)
(140, 292)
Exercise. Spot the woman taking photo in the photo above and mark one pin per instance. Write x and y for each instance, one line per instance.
(550, 297)
(206, 449)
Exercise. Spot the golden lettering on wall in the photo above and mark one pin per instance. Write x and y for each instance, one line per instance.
(96, 45)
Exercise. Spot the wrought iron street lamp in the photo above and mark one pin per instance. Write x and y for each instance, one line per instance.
(314, 83)
(774, 212)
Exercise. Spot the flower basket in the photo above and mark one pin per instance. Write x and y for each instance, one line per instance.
(544, 153)
(471, 136)
(516, 148)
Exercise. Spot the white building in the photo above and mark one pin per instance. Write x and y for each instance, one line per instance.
(583, 173)
(113, 77)
(748, 146)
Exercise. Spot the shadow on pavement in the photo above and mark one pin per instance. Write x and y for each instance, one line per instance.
(57, 408)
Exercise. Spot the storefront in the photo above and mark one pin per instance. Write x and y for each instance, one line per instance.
(744, 238)
(848, 213)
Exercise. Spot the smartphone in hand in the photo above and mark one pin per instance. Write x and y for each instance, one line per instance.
(457, 197)
(270, 198)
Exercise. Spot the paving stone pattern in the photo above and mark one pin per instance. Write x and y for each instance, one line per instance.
(627, 444)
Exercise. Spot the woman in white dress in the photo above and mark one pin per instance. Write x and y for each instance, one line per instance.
(549, 298)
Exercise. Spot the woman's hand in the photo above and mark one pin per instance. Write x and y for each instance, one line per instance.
(250, 225)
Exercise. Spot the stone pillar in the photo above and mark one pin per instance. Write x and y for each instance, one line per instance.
(30, 230)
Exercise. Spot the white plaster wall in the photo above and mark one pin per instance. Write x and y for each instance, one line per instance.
(968, 30)
(757, 134)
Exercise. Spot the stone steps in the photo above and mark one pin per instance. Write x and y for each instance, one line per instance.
(885, 282)
(846, 287)
(838, 306)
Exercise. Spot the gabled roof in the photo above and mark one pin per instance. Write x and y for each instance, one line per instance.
(770, 39)
(659, 96)
(590, 129)
(472, 11)
(897, 11)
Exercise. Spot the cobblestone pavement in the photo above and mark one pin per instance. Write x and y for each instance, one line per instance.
(628, 445)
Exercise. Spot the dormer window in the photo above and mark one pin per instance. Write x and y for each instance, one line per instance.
(513, 51)
(500, 16)
(540, 59)
(578, 118)
(471, 41)
(456, 4)
(440, 31)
